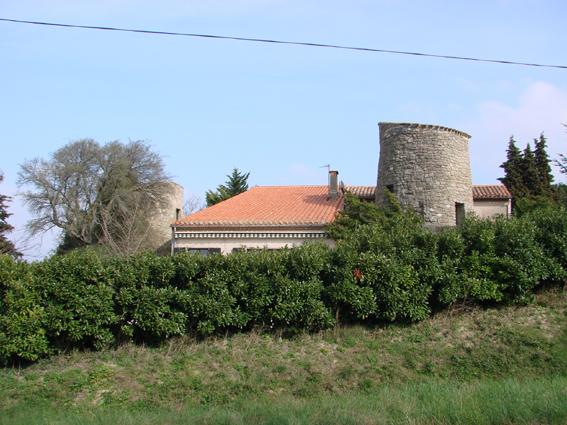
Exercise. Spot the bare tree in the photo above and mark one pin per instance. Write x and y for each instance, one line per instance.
(561, 163)
(90, 190)
(193, 204)
(125, 227)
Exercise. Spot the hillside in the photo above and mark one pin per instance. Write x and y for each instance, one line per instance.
(511, 358)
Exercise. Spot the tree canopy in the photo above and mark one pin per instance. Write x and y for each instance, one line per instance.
(543, 166)
(527, 174)
(6, 245)
(237, 182)
(96, 194)
(513, 178)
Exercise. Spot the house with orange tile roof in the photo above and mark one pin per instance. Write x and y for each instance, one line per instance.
(275, 217)
(427, 167)
(264, 217)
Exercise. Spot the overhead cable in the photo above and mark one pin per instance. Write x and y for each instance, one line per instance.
(295, 43)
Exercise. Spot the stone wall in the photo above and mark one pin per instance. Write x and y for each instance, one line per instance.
(164, 217)
(428, 168)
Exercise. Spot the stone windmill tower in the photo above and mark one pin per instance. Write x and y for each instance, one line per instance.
(427, 167)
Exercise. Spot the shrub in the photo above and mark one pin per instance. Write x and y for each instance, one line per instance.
(77, 291)
(209, 304)
(386, 266)
(22, 317)
(504, 260)
(385, 269)
(148, 307)
(449, 285)
(551, 234)
(346, 291)
(298, 305)
(251, 276)
(400, 295)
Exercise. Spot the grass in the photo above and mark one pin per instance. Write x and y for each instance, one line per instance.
(436, 402)
(506, 365)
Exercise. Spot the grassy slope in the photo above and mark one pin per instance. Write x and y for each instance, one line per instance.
(458, 358)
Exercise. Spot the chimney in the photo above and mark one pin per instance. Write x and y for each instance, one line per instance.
(333, 184)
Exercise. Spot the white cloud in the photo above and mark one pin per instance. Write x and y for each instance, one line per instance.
(541, 107)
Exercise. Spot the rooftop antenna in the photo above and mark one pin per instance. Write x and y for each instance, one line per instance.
(328, 167)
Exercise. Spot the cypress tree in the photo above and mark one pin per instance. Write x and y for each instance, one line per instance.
(513, 170)
(530, 173)
(543, 167)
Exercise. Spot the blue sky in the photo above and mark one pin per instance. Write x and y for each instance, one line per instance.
(279, 112)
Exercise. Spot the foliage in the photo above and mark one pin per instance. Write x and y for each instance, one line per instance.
(96, 194)
(513, 178)
(6, 245)
(543, 165)
(530, 172)
(237, 182)
(22, 316)
(386, 267)
(77, 292)
(527, 175)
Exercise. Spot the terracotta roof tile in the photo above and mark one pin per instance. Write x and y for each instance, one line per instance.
(480, 191)
(270, 206)
(363, 192)
(490, 191)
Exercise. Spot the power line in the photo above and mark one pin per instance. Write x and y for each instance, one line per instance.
(294, 43)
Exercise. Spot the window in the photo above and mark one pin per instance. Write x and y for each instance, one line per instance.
(253, 249)
(202, 251)
(390, 188)
(459, 213)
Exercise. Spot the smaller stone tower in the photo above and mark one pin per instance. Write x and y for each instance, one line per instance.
(163, 217)
(427, 167)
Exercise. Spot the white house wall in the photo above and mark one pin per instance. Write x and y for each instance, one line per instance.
(492, 208)
(229, 241)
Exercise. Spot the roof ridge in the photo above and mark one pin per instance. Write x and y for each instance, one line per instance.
(488, 184)
(291, 185)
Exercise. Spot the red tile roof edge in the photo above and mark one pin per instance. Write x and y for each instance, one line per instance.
(490, 191)
(480, 191)
(329, 210)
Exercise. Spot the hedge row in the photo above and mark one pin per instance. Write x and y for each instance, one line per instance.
(387, 269)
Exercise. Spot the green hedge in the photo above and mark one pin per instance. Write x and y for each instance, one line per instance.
(386, 267)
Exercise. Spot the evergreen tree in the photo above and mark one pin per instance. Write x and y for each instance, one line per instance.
(530, 173)
(513, 170)
(6, 245)
(543, 167)
(237, 183)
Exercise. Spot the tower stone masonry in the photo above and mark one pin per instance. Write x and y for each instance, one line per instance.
(427, 167)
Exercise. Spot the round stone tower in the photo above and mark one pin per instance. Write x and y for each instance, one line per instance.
(162, 218)
(427, 168)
